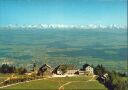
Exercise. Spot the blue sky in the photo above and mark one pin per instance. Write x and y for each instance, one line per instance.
(63, 12)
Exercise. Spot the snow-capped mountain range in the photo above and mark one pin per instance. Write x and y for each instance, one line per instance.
(62, 26)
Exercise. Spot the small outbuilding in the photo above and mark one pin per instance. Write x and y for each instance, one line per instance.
(45, 70)
(88, 69)
(71, 72)
(65, 69)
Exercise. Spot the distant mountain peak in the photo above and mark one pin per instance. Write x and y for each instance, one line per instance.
(63, 26)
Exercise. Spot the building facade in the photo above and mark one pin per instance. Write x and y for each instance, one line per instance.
(89, 70)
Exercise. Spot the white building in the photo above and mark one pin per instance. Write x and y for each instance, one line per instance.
(89, 70)
(71, 72)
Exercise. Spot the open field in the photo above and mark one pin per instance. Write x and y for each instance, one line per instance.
(85, 86)
(64, 83)
(4, 77)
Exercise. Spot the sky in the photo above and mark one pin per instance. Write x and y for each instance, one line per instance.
(63, 12)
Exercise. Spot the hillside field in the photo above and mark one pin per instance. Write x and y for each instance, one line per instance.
(61, 83)
(4, 77)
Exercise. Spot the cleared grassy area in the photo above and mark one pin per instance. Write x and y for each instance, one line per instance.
(4, 77)
(85, 86)
(55, 83)
(40, 84)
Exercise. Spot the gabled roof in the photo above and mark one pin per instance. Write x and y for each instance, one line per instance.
(68, 67)
(85, 65)
(46, 65)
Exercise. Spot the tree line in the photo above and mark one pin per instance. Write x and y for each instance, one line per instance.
(5, 68)
(114, 80)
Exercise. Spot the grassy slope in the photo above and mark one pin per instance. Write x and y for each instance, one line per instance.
(55, 83)
(4, 77)
(85, 85)
(45, 84)
(40, 84)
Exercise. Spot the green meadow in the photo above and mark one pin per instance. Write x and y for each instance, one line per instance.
(4, 77)
(77, 83)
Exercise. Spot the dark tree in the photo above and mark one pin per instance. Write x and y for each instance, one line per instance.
(22, 70)
(7, 69)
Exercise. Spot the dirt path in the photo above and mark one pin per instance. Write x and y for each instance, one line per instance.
(92, 78)
(62, 86)
(4, 80)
